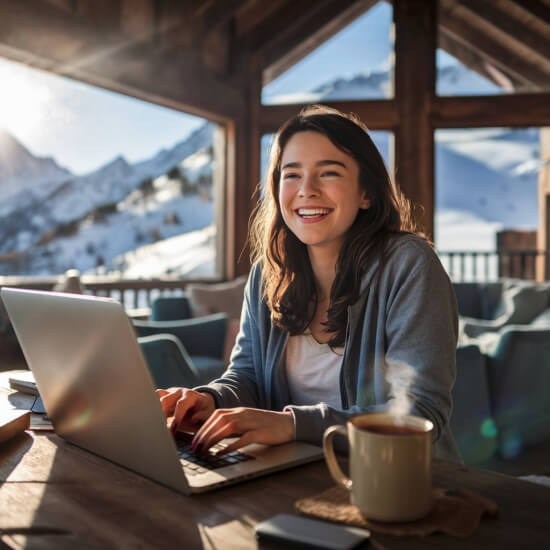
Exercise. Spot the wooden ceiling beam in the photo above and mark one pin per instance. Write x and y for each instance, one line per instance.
(100, 13)
(460, 28)
(63, 37)
(251, 16)
(376, 114)
(285, 49)
(515, 110)
(522, 37)
(137, 19)
(540, 11)
(67, 5)
(66, 45)
(279, 22)
(475, 62)
(174, 24)
(220, 13)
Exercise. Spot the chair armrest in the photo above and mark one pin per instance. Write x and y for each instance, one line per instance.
(199, 335)
(168, 362)
(171, 308)
(475, 327)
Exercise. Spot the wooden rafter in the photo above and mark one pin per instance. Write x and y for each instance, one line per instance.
(376, 114)
(509, 29)
(471, 59)
(100, 13)
(518, 110)
(539, 10)
(279, 23)
(458, 25)
(313, 29)
(247, 19)
(219, 13)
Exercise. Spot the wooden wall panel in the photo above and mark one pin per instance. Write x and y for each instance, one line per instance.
(104, 14)
(67, 5)
(137, 18)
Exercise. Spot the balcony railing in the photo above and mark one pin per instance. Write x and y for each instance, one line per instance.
(136, 293)
(479, 266)
(469, 265)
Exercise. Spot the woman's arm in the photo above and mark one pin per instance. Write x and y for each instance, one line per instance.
(417, 307)
(239, 384)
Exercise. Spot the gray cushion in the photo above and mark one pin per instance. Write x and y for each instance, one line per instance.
(520, 304)
(468, 299)
(542, 319)
(218, 298)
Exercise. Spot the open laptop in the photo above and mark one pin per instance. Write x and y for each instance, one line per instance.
(99, 394)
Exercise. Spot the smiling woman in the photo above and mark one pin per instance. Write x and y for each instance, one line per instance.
(319, 193)
(341, 293)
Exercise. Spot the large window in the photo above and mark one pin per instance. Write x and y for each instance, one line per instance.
(104, 183)
(353, 64)
(486, 184)
(455, 79)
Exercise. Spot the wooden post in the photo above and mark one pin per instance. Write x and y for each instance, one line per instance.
(415, 43)
(243, 167)
(543, 235)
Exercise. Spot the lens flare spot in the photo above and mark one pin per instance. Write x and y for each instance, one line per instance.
(488, 428)
(84, 417)
(511, 447)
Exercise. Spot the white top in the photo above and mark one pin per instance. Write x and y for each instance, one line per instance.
(313, 371)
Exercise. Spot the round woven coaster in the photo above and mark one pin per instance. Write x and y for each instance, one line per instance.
(456, 512)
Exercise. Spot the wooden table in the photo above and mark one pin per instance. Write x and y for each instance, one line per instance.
(48, 484)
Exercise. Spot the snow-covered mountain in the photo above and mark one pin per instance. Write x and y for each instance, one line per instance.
(21, 170)
(84, 221)
(122, 215)
(451, 80)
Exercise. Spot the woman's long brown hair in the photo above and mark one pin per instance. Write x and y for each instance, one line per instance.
(289, 287)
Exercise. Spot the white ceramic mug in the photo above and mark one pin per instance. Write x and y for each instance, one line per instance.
(390, 465)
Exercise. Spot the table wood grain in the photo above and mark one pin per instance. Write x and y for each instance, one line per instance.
(56, 495)
(48, 484)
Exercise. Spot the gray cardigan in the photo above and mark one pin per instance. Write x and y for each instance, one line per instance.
(407, 315)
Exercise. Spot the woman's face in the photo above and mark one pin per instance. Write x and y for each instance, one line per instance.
(319, 192)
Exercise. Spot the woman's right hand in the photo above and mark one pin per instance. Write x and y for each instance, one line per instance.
(189, 408)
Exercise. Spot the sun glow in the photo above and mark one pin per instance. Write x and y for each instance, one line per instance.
(25, 105)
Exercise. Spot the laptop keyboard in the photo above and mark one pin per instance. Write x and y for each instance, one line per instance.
(198, 464)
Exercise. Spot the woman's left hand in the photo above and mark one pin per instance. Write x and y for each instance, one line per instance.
(250, 425)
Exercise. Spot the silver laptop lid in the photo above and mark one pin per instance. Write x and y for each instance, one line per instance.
(90, 370)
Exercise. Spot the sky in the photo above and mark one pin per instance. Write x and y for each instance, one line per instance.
(81, 126)
(84, 127)
(362, 46)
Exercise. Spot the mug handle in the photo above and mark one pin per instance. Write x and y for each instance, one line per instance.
(330, 456)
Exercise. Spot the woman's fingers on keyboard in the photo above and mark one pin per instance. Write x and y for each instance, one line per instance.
(190, 410)
(168, 399)
(218, 424)
(245, 439)
(259, 426)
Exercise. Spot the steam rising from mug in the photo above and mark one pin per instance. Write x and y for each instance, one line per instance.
(400, 377)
